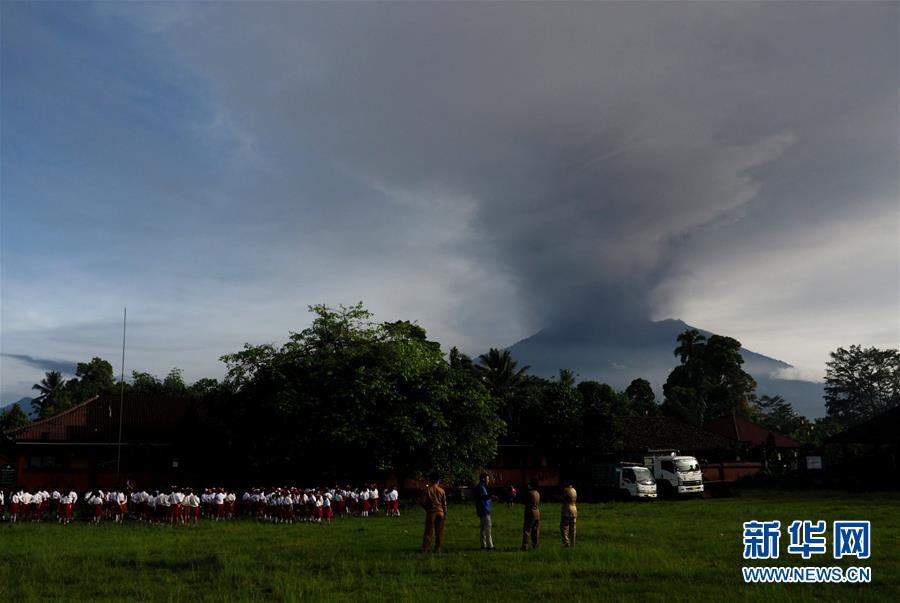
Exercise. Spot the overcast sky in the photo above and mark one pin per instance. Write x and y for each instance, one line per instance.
(483, 169)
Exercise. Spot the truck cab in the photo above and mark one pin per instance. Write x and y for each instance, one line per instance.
(679, 475)
(636, 480)
(624, 481)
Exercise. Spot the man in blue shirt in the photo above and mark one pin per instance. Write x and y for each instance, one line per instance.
(483, 509)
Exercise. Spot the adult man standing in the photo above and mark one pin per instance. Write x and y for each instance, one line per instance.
(568, 516)
(483, 509)
(434, 501)
(532, 524)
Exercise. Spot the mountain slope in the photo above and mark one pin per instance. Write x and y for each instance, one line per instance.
(26, 405)
(618, 352)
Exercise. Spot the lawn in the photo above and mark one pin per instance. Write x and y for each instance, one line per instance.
(662, 550)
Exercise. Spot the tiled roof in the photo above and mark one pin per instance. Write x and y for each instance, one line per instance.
(658, 433)
(880, 429)
(744, 430)
(145, 419)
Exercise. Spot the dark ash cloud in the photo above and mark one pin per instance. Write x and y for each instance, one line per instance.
(44, 364)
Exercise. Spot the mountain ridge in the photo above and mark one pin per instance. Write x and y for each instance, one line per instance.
(616, 352)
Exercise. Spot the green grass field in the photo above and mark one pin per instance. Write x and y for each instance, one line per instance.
(679, 550)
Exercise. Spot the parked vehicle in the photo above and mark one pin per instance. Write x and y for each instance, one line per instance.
(625, 480)
(677, 475)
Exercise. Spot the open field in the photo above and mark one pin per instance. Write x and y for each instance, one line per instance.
(680, 550)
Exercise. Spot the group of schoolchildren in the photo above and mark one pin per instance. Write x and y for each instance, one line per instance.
(317, 505)
(182, 505)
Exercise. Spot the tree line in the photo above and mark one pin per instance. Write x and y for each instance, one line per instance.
(349, 395)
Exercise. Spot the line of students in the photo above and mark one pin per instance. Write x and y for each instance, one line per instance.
(179, 505)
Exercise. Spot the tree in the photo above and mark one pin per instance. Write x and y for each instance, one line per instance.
(173, 384)
(601, 409)
(642, 398)
(567, 377)
(508, 385)
(710, 381)
(367, 396)
(861, 383)
(51, 398)
(690, 343)
(777, 414)
(13, 417)
(498, 370)
(144, 383)
(204, 387)
(94, 378)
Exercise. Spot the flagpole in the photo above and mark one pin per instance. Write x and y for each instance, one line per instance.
(121, 399)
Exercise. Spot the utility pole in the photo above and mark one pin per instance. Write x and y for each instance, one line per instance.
(121, 399)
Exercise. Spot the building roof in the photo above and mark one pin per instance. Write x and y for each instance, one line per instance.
(145, 418)
(658, 433)
(880, 429)
(745, 430)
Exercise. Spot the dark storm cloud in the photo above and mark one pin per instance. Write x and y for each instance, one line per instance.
(595, 139)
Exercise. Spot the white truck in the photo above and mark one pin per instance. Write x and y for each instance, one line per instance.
(625, 480)
(676, 475)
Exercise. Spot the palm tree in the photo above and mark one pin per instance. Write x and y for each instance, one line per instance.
(498, 370)
(50, 388)
(567, 377)
(689, 343)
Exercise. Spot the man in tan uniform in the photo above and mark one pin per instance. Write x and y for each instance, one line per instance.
(532, 525)
(434, 501)
(569, 514)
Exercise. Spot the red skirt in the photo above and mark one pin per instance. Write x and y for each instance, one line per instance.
(98, 510)
(365, 506)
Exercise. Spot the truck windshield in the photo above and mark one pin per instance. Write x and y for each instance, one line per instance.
(686, 465)
(643, 475)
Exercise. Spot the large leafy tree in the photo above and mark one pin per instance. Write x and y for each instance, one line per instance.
(861, 383)
(91, 379)
(710, 381)
(348, 396)
(601, 408)
(642, 399)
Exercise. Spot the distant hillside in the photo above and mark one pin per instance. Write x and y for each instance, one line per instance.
(26, 405)
(618, 352)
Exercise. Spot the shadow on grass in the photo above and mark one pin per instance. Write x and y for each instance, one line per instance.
(207, 562)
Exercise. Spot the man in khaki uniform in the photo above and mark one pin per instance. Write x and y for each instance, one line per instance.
(532, 525)
(434, 501)
(569, 514)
